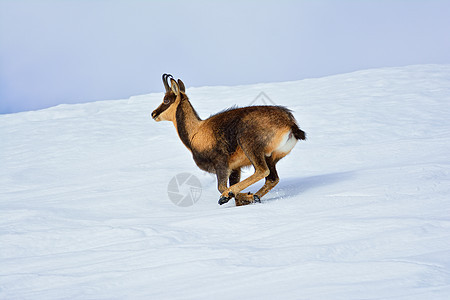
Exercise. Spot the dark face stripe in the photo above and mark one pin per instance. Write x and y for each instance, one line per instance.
(168, 100)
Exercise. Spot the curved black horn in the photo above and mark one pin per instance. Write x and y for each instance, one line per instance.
(164, 79)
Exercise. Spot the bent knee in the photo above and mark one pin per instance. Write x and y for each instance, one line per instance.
(263, 172)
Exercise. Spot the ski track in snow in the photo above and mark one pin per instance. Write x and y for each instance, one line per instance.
(361, 211)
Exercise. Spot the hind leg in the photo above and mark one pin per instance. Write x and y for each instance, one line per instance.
(261, 171)
(271, 180)
(240, 198)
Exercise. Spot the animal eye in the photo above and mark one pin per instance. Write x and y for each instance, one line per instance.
(166, 100)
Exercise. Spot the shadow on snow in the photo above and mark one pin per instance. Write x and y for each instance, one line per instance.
(295, 186)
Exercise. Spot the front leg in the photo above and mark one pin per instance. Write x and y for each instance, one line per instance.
(224, 199)
(222, 178)
(235, 176)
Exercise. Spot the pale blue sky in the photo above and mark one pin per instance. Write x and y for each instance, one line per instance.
(54, 52)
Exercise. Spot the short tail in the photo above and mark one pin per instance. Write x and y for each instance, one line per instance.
(298, 133)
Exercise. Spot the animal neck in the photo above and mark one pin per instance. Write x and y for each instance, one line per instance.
(186, 121)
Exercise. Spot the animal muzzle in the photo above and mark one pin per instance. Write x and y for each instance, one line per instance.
(155, 114)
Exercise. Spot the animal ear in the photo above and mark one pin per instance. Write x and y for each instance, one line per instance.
(174, 86)
(181, 85)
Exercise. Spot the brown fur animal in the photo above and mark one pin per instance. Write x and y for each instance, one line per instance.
(232, 139)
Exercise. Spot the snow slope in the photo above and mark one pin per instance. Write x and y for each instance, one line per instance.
(362, 210)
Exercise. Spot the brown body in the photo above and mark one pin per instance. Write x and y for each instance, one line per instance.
(226, 142)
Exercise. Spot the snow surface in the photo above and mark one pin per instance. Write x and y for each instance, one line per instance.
(362, 210)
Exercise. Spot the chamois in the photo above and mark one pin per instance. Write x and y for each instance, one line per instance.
(232, 139)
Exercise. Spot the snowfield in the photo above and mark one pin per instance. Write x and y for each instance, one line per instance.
(362, 210)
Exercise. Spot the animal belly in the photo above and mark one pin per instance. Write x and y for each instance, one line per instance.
(204, 162)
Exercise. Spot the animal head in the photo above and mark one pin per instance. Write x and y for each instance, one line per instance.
(167, 109)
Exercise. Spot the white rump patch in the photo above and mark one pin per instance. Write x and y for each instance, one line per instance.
(287, 143)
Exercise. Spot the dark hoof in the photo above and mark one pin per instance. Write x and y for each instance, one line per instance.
(256, 199)
(224, 199)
